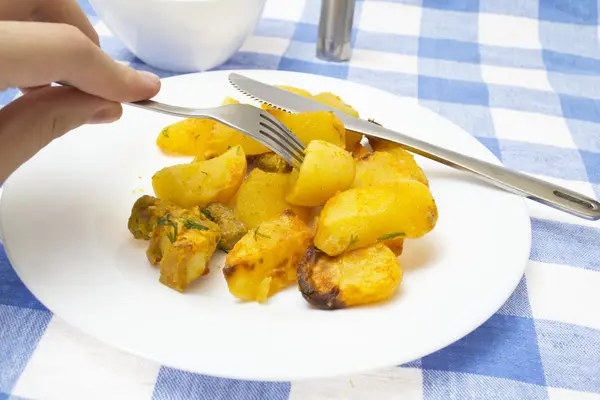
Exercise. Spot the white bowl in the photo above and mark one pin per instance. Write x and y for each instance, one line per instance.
(181, 35)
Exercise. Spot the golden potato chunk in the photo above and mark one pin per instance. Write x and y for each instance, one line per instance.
(367, 275)
(334, 101)
(145, 213)
(363, 216)
(326, 170)
(271, 162)
(182, 244)
(296, 90)
(266, 259)
(309, 126)
(382, 167)
(262, 197)
(232, 229)
(201, 183)
(403, 157)
(222, 138)
(183, 137)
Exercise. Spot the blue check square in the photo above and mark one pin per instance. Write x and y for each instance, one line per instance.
(175, 384)
(503, 347)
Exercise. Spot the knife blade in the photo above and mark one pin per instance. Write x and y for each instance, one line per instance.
(546, 193)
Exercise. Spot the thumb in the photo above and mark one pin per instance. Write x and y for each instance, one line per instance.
(34, 120)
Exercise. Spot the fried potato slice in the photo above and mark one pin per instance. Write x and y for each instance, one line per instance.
(184, 137)
(309, 126)
(363, 276)
(334, 101)
(265, 260)
(363, 216)
(326, 170)
(262, 197)
(203, 182)
(222, 138)
(382, 167)
(404, 158)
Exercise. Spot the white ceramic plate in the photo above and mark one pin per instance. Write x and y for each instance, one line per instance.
(64, 218)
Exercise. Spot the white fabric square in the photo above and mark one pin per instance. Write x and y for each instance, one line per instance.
(265, 45)
(69, 365)
(563, 293)
(527, 78)
(386, 17)
(508, 31)
(394, 383)
(368, 59)
(531, 127)
(289, 10)
(566, 394)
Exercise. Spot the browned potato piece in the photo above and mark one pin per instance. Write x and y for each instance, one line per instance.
(266, 259)
(271, 162)
(367, 275)
(203, 182)
(326, 170)
(262, 197)
(363, 216)
(313, 125)
(146, 211)
(406, 160)
(232, 229)
(382, 167)
(182, 244)
(185, 136)
(360, 151)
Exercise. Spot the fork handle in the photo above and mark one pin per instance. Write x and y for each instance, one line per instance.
(536, 189)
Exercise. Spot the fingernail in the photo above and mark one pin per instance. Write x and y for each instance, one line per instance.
(149, 77)
(106, 115)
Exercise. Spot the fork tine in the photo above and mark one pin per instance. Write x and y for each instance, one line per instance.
(282, 136)
(289, 134)
(275, 138)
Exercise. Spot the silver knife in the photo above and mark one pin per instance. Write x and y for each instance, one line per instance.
(539, 190)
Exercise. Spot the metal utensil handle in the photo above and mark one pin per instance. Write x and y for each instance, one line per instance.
(536, 189)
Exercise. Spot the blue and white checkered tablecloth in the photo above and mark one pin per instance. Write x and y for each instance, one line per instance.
(522, 76)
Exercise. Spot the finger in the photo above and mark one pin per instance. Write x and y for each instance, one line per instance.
(34, 120)
(60, 11)
(31, 89)
(66, 12)
(21, 10)
(35, 54)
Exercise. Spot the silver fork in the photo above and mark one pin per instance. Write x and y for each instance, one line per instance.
(247, 119)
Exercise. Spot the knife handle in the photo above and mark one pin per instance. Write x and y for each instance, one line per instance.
(544, 192)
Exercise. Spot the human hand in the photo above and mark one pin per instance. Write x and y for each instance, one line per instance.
(45, 41)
